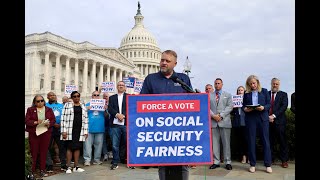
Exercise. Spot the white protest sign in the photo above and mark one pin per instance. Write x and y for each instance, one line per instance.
(138, 86)
(97, 104)
(237, 100)
(109, 86)
(69, 88)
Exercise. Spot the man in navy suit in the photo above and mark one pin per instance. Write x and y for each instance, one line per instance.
(117, 110)
(277, 119)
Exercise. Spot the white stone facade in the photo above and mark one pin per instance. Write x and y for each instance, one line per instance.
(52, 61)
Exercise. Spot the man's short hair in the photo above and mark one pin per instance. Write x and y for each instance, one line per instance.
(171, 52)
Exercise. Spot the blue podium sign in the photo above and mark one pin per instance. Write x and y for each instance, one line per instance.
(168, 129)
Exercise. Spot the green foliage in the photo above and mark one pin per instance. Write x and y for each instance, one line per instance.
(291, 133)
(27, 160)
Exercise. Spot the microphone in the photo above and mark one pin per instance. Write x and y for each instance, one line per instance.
(183, 84)
(197, 90)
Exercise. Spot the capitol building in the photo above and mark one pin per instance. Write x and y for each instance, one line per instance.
(52, 61)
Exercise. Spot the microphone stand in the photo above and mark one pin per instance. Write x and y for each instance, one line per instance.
(187, 88)
(175, 172)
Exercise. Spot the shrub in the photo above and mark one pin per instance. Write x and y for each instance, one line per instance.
(291, 134)
(27, 160)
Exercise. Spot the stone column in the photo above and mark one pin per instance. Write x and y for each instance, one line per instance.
(108, 73)
(27, 72)
(147, 69)
(57, 81)
(46, 72)
(120, 75)
(67, 82)
(100, 75)
(114, 78)
(76, 72)
(35, 80)
(85, 78)
(93, 77)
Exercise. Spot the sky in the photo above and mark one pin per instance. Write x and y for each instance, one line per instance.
(229, 39)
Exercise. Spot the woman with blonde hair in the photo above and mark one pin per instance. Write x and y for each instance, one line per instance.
(256, 105)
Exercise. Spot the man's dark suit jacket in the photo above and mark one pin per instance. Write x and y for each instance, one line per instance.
(280, 106)
(113, 107)
(293, 102)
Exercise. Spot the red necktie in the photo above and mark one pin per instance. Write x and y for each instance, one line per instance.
(272, 102)
(217, 97)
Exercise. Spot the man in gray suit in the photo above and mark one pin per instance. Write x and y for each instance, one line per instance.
(220, 109)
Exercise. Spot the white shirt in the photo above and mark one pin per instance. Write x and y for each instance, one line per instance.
(120, 99)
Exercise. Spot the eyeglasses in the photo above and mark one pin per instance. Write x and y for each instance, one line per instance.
(76, 96)
(121, 85)
(95, 95)
(40, 101)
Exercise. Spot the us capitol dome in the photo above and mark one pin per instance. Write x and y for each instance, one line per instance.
(141, 47)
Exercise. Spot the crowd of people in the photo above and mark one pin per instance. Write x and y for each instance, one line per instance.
(72, 127)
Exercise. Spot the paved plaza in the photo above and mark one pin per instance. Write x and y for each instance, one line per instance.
(239, 172)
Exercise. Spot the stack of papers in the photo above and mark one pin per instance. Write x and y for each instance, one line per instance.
(42, 128)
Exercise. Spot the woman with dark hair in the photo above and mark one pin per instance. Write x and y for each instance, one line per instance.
(39, 144)
(74, 129)
(239, 128)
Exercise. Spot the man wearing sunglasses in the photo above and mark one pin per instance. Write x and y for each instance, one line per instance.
(95, 135)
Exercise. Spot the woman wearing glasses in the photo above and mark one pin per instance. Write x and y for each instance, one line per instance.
(74, 129)
(39, 144)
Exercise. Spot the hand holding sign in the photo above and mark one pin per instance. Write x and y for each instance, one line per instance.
(97, 104)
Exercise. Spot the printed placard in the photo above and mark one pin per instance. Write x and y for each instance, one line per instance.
(68, 89)
(237, 100)
(109, 86)
(138, 85)
(168, 129)
(129, 81)
(97, 104)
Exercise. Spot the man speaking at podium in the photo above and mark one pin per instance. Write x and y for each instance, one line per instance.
(168, 81)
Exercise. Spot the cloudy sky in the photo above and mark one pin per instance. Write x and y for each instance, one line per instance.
(230, 39)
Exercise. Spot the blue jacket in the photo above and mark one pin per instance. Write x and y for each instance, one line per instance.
(238, 119)
(263, 99)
